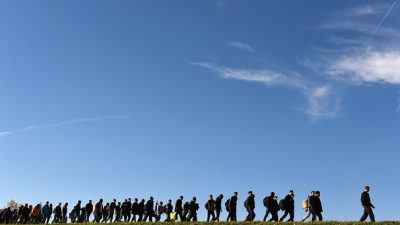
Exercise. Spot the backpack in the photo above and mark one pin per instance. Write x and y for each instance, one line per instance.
(245, 204)
(265, 201)
(282, 204)
(304, 204)
(227, 204)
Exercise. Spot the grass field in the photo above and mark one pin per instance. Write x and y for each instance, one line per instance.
(256, 223)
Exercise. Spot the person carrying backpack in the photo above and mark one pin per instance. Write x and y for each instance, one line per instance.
(288, 206)
(232, 207)
(210, 207)
(368, 206)
(89, 210)
(135, 209)
(306, 205)
(271, 206)
(250, 205)
(218, 206)
(168, 210)
(149, 210)
(316, 207)
(193, 207)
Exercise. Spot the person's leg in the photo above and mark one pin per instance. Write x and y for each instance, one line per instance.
(291, 215)
(319, 214)
(195, 217)
(371, 214)
(284, 216)
(365, 215)
(307, 215)
(218, 214)
(213, 215)
(266, 215)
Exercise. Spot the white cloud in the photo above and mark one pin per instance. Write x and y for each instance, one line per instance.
(322, 101)
(368, 9)
(368, 66)
(241, 46)
(59, 124)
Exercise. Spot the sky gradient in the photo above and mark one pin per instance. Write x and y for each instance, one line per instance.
(118, 99)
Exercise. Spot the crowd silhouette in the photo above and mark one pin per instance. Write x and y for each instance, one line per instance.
(140, 211)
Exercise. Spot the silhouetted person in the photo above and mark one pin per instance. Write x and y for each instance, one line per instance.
(168, 210)
(135, 209)
(141, 210)
(210, 207)
(218, 206)
(250, 205)
(65, 213)
(149, 210)
(78, 209)
(105, 212)
(113, 204)
(57, 214)
(186, 208)
(124, 209)
(46, 212)
(368, 206)
(98, 209)
(316, 207)
(179, 209)
(272, 207)
(89, 210)
(129, 209)
(118, 212)
(288, 206)
(193, 207)
(233, 207)
(306, 204)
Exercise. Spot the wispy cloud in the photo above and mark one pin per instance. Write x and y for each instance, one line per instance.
(321, 99)
(60, 124)
(368, 9)
(368, 66)
(241, 46)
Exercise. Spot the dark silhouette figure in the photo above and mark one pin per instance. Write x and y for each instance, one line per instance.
(98, 209)
(186, 208)
(193, 207)
(316, 207)
(135, 209)
(250, 205)
(118, 212)
(218, 206)
(78, 209)
(210, 207)
(113, 204)
(271, 204)
(65, 213)
(142, 209)
(288, 206)
(89, 210)
(149, 210)
(168, 209)
(179, 208)
(368, 206)
(232, 207)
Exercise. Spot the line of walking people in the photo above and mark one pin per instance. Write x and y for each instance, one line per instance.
(138, 211)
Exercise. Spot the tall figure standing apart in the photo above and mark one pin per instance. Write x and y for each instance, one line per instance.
(368, 206)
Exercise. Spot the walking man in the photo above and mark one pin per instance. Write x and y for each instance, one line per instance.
(250, 205)
(288, 206)
(368, 206)
(210, 206)
(179, 208)
(272, 207)
(218, 206)
(232, 207)
(193, 207)
(316, 207)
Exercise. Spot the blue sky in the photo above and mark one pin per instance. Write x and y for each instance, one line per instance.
(138, 98)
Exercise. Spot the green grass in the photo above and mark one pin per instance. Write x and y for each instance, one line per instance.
(255, 223)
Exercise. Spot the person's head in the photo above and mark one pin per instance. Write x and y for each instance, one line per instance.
(101, 200)
(114, 200)
(366, 188)
(181, 198)
(59, 204)
(273, 194)
(151, 198)
(169, 201)
(161, 203)
(51, 205)
(221, 196)
(250, 193)
(79, 202)
(66, 203)
(211, 196)
(194, 199)
(317, 193)
(235, 193)
(47, 203)
(107, 204)
(291, 193)
(143, 200)
(126, 200)
(136, 200)
(312, 193)
(129, 199)
(90, 201)
(119, 203)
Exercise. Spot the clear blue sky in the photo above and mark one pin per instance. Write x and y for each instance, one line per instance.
(138, 98)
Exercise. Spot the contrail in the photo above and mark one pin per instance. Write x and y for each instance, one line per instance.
(382, 20)
(59, 124)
